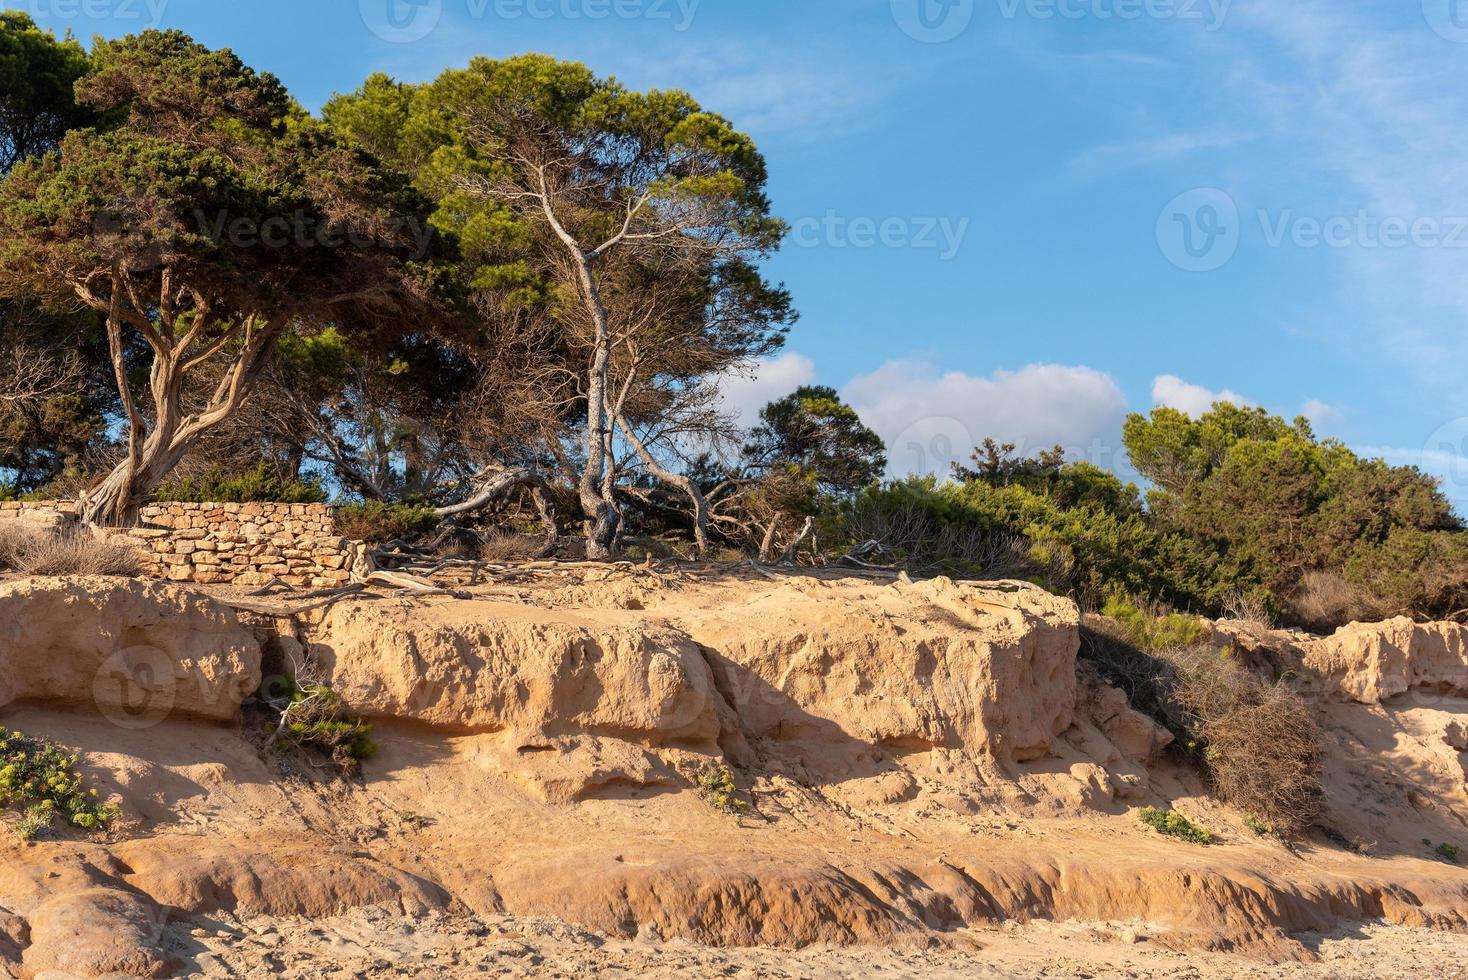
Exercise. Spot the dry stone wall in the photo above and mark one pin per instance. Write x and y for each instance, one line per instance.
(215, 544)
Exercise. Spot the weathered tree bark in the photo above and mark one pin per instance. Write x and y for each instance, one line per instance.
(602, 519)
(498, 485)
(153, 453)
(767, 546)
(700, 508)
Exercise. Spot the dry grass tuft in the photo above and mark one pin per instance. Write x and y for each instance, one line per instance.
(69, 552)
(1327, 599)
(502, 547)
(13, 541)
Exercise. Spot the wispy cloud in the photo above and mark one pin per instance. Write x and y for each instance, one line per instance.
(1108, 158)
(1374, 111)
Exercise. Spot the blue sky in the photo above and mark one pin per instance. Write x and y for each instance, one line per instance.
(1024, 218)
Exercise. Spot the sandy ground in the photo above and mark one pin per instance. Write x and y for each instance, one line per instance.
(379, 945)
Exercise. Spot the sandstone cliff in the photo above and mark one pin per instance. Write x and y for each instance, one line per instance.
(921, 761)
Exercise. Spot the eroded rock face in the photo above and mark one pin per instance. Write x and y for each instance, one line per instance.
(1371, 662)
(981, 668)
(833, 673)
(492, 667)
(138, 651)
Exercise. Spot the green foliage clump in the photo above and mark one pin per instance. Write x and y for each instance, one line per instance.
(1260, 827)
(315, 716)
(1081, 531)
(1448, 852)
(40, 777)
(1153, 631)
(261, 485)
(378, 522)
(1279, 505)
(718, 788)
(1170, 823)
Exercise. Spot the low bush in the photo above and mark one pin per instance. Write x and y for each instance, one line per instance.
(1327, 599)
(1449, 852)
(71, 552)
(1262, 748)
(1153, 628)
(1259, 827)
(41, 779)
(377, 522)
(1256, 741)
(1170, 823)
(718, 788)
(314, 716)
(259, 485)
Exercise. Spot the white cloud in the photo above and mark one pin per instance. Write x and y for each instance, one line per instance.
(930, 420)
(1322, 415)
(1171, 391)
(1110, 158)
(746, 392)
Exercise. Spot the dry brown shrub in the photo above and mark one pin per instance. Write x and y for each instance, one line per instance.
(504, 546)
(1262, 748)
(72, 552)
(1326, 600)
(1255, 740)
(13, 540)
(1249, 607)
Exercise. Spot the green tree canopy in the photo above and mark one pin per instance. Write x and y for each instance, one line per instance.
(38, 73)
(205, 218)
(622, 229)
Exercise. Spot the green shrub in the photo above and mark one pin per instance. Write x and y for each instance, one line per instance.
(718, 788)
(261, 485)
(314, 716)
(1173, 824)
(1448, 852)
(1151, 631)
(1259, 827)
(41, 778)
(377, 522)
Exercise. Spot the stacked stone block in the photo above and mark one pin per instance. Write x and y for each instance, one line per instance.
(235, 544)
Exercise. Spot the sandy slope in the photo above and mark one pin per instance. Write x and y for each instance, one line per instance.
(929, 784)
